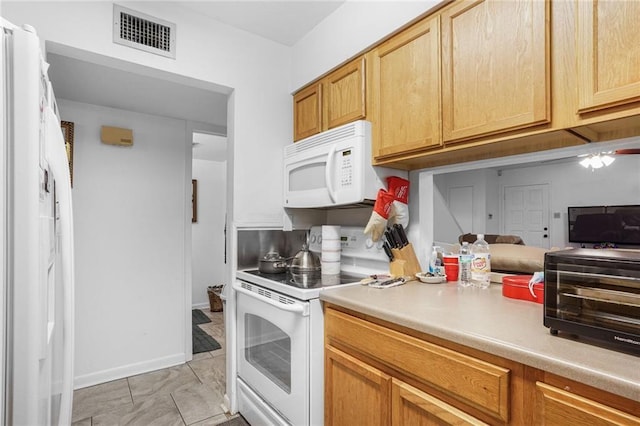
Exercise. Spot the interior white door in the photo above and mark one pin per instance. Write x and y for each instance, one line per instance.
(526, 213)
(461, 206)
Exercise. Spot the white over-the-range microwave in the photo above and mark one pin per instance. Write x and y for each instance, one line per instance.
(333, 169)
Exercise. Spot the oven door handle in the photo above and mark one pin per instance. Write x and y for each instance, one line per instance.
(296, 308)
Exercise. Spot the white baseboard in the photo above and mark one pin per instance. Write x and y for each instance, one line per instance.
(127, 370)
(201, 306)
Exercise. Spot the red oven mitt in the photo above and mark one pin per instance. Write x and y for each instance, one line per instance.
(399, 187)
(378, 221)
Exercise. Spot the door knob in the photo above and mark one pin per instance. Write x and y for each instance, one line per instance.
(546, 229)
(545, 236)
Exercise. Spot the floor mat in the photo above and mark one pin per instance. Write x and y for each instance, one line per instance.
(236, 421)
(199, 317)
(202, 342)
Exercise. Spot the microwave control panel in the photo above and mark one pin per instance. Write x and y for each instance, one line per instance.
(346, 168)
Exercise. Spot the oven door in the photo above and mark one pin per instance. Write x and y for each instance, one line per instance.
(273, 349)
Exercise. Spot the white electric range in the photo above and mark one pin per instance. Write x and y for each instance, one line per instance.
(280, 333)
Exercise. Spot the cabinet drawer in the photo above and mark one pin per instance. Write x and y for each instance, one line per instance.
(558, 407)
(411, 406)
(472, 381)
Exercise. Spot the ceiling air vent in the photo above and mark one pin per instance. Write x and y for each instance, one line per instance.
(144, 32)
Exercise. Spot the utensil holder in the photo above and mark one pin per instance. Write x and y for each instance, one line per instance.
(405, 262)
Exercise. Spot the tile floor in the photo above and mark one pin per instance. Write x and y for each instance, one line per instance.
(188, 394)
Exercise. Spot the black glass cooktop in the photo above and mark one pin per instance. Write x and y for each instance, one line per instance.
(308, 279)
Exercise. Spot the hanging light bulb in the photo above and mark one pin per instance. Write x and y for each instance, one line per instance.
(596, 161)
(607, 160)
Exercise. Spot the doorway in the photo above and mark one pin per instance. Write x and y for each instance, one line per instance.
(461, 206)
(526, 213)
(208, 258)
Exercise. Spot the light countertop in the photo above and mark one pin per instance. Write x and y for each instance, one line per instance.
(487, 321)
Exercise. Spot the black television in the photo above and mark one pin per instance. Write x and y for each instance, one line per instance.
(619, 225)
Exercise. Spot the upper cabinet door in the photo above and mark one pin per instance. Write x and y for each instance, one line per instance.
(307, 112)
(496, 66)
(344, 92)
(404, 90)
(608, 53)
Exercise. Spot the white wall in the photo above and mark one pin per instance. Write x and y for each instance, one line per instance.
(256, 74)
(213, 53)
(572, 185)
(352, 28)
(485, 197)
(130, 292)
(569, 185)
(208, 267)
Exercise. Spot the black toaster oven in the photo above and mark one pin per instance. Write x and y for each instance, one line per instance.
(594, 294)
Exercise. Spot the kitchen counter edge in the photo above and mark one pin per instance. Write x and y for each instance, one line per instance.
(487, 321)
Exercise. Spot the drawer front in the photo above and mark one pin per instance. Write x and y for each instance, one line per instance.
(411, 406)
(558, 407)
(472, 381)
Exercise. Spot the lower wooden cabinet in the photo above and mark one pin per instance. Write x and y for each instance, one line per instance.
(355, 393)
(381, 374)
(412, 407)
(559, 407)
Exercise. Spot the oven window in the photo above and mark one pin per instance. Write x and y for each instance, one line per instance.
(594, 296)
(268, 349)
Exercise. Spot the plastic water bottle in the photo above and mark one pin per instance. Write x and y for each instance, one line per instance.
(465, 264)
(481, 263)
(435, 263)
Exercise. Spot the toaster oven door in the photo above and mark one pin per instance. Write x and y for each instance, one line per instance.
(599, 301)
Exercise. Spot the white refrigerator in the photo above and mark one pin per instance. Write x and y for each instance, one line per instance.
(37, 241)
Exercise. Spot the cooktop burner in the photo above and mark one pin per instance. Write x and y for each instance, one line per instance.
(308, 279)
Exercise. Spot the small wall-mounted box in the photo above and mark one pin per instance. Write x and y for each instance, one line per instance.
(116, 136)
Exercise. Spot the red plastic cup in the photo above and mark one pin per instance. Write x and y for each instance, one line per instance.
(451, 270)
(450, 259)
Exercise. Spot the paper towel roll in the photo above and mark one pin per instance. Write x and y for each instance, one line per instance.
(330, 232)
(331, 248)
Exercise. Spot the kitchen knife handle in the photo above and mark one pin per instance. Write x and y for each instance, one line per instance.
(387, 250)
(390, 238)
(403, 234)
(397, 238)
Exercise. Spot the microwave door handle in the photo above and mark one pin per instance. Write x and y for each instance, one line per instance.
(301, 309)
(328, 174)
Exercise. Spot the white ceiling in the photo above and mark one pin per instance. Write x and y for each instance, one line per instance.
(90, 83)
(285, 22)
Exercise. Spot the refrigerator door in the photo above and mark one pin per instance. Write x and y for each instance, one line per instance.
(38, 250)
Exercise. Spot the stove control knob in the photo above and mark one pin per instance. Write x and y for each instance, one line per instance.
(368, 243)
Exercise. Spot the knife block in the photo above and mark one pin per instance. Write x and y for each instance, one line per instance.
(404, 263)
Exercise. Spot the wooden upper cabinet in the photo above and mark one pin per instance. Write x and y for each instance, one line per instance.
(337, 99)
(344, 94)
(307, 112)
(608, 54)
(496, 67)
(404, 91)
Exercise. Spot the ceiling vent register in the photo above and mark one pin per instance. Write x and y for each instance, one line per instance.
(144, 32)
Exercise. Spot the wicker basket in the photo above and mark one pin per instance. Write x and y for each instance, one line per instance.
(215, 302)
